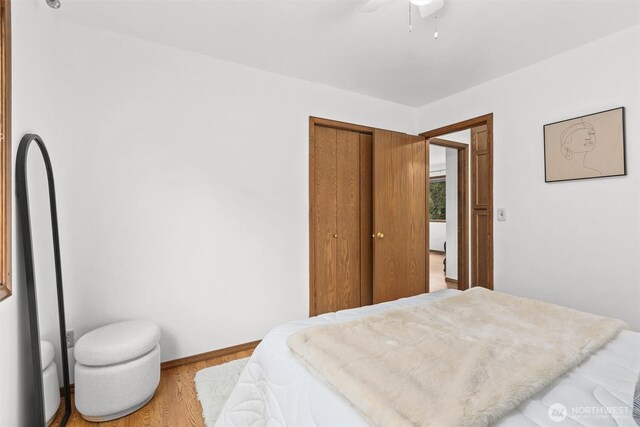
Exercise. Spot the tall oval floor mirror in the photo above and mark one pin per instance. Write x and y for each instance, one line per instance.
(38, 219)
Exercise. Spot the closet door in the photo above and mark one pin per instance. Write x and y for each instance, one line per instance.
(348, 220)
(366, 219)
(341, 213)
(325, 220)
(400, 215)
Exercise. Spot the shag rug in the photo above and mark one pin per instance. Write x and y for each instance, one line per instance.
(462, 361)
(214, 385)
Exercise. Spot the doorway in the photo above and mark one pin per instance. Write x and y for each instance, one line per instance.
(474, 140)
(448, 214)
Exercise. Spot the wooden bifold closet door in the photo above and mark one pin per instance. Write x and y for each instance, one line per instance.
(369, 232)
(341, 220)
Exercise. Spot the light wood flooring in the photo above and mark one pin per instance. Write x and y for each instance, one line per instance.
(174, 404)
(436, 273)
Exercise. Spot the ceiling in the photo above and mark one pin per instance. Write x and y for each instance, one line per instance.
(333, 42)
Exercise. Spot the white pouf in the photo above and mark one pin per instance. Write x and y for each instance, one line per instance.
(117, 369)
(50, 388)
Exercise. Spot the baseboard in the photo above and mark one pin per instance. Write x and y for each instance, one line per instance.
(170, 364)
(452, 281)
(437, 252)
(72, 389)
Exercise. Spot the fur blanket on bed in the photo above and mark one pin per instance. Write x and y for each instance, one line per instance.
(461, 361)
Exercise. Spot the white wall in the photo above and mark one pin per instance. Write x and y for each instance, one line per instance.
(452, 201)
(437, 167)
(32, 104)
(183, 187)
(572, 243)
(437, 235)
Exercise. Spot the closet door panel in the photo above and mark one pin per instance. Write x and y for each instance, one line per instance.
(325, 245)
(366, 219)
(386, 271)
(400, 215)
(348, 219)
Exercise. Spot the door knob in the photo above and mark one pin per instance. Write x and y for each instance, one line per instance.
(335, 236)
(380, 235)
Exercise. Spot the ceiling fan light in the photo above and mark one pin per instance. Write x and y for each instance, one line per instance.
(430, 8)
(421, 2)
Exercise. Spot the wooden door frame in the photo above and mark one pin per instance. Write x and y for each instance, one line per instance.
(5, 150)
(313, 122)
(463, 207)
(486, 120)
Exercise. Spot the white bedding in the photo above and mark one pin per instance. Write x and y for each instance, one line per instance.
(276, 390)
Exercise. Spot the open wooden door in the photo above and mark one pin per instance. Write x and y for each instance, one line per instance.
(481, 215)
(400, 215)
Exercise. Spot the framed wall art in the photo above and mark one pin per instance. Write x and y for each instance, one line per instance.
(590, 146)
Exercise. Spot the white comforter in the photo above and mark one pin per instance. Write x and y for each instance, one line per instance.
(276, 390)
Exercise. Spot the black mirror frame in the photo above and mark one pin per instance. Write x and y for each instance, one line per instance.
(22, 195)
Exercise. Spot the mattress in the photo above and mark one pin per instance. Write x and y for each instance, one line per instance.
(276, 390)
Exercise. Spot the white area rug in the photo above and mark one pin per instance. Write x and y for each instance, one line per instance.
(214, 385)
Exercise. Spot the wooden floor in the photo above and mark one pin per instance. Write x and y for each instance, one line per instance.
(436, 273)
(174, 404)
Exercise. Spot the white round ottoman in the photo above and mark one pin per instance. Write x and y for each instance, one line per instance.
(117, 369)
(50, 387)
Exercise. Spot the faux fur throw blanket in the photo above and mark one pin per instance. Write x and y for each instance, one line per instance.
(462, 361)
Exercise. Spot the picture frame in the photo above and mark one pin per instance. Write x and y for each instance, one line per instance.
(586, 147)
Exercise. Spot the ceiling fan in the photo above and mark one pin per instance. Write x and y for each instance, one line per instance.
(426, 7)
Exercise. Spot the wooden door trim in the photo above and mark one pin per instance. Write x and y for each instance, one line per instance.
(486, 120)
(463, 218)
(318, 121)
(312, 209)
(5, 150)
(448, 144)
(312, 228)
(463, 208)
(427, 226)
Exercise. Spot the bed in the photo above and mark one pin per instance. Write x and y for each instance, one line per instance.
(275, 389)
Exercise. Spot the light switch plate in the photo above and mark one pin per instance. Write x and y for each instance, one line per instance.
(502, 214)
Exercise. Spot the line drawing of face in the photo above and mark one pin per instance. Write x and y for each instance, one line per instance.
(578, 138)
